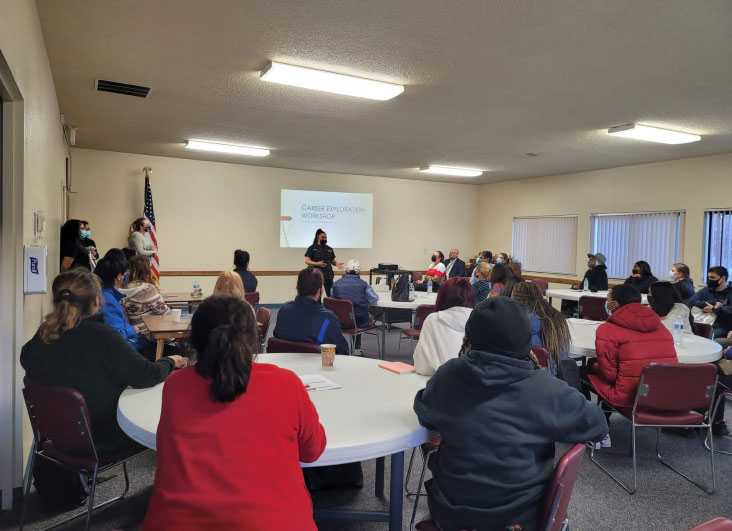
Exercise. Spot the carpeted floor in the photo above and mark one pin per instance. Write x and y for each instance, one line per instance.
(664, 501)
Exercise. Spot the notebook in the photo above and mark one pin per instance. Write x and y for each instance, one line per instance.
(397, 367)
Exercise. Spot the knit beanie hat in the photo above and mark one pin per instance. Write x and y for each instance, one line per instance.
(499, 325)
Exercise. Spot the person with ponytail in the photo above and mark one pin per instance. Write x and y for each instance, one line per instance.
(74, 348)
(139, 238)
(232, 433)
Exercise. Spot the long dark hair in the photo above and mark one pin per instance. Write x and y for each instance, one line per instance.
(224, 333)
(662, 297)
(317, 235)
(645, 268)
(71, 231)
(510, 284)
(501, 274)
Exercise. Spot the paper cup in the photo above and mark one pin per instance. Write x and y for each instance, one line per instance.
(175, 313)
(327, 355)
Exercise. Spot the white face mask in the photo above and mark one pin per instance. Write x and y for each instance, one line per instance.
(671, 275)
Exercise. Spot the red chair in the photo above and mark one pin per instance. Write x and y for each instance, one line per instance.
(592, 308)
(703, 330)
(60, 421)
(275, 344)
(343, 309)
(718, 524)
(542, 284)
(264, 316)
(670, 395)
(542, 356)
(420, 314)
(252, 298)
(558, 494)
(416, 276)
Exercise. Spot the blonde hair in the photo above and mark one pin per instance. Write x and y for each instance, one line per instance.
(74, 293)
(229, 283)
(484, 269)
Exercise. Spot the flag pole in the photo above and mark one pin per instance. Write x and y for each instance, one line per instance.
(147, 170)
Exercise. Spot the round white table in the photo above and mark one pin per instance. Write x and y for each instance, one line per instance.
(574, 295)
(369, 417)
(693, 349)
(385, 302)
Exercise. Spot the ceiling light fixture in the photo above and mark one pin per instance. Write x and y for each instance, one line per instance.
(446, 170)
(227, 148)
(298, 76)
(653, 134)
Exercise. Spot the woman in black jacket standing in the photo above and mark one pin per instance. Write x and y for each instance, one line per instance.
(642, 278)
(322, 256)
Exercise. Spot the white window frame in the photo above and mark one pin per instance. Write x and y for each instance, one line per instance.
(571, 247)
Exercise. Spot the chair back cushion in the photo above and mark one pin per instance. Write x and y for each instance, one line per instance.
(283, 345)
(343, 309)
(542, 355)
(560, 489)
(264, 316)
(542, 284)
(421, 313)
(676, 386)
(703, 330)
(252, 298)
(592, 308)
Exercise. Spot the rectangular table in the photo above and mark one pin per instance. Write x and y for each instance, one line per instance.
(184, 299)
(162, 327)
(575, 294)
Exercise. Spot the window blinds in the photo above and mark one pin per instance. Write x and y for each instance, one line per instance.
(546, 244)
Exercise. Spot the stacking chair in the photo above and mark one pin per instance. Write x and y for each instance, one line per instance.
(416, 275)
(542, 356)
(343, 309)
(723, 393)
(275, 344)
(558, 493)
(592, 308)
(703, 330)
(252, 298)
(427, 449)
(60, 421)
(264, 315)
(718, 524)
(542, 284)
(420, 314)
(670, 395)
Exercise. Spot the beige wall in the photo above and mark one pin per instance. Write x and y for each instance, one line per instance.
(38, 163)
(692, 185)
(205, 210)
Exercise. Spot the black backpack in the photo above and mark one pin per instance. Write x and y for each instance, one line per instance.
(400, 293)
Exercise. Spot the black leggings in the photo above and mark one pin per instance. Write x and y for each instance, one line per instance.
(327, 284)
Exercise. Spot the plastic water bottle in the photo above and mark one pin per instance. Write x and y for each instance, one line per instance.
(678, 328)
(411, 291)
(196, 289)
(429, 286)
(586, 285)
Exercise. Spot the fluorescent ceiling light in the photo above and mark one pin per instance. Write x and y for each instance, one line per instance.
(446, 170)
(308, 78)
(227, 148)
(653, 134)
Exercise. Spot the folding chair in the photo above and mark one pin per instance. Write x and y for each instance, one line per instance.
(252, 298)
(343, 309)
(264, 316)
(542, 284)
(62, 435)
(592, 308)
(420, 314)
(669, 395)
(703, 330)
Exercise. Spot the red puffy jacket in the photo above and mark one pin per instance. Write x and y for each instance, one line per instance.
(632, 337)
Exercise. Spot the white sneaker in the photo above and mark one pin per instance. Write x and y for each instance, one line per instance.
(604, 443)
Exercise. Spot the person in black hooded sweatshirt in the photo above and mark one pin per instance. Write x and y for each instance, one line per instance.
(499, 416)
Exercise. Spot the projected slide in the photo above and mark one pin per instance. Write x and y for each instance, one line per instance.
(346, 218)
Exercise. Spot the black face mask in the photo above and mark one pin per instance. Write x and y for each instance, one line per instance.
(323, 241)
(434, 258)
(712, 284)
(636, 271)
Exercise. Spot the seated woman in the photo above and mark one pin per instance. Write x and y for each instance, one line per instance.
(681, 278)
(305, 320)
(482, 284)
(112, 272)
(494, 397)
(141, 294)
(219, 466)
(666, 302)
(443, 331)
(642, 278)
(229, 283)
(500, 276)
(241, 267)
(631, 337)
(73, 348)
(549, 329)
(436, 270)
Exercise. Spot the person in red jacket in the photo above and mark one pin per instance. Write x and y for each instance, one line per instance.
(232, 434)
(632, 337)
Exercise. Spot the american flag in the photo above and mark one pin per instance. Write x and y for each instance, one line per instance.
(149, 213)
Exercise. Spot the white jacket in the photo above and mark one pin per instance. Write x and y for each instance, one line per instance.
(440, 339)
(678, 310)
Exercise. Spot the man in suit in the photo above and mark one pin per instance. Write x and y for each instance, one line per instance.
(454, 267)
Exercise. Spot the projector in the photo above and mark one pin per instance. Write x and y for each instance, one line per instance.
(388, 267)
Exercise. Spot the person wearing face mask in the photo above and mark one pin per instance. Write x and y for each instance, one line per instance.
(680, 276)
(140, 239)
(641, 277)
(305, 320)
(454, 267)
(435, 271)
(483, 257)
(716, 300)
(502, 258)
(667, 303)
(87, 242)
(322, 256)
(72, 252)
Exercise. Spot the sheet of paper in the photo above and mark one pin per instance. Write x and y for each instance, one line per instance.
(316, 382)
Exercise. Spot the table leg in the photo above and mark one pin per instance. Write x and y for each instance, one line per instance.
(159, 349)
(379, 484)
(383, 334)
(396, 492)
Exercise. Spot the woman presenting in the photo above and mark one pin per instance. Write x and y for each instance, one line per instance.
(322, 256)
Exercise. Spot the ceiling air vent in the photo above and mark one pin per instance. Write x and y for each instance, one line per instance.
(103, 85)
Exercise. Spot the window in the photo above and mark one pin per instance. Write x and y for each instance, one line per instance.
(546, 244)
(627, 238)
(717, 240)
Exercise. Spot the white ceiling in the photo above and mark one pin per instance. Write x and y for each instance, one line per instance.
(486, 80)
